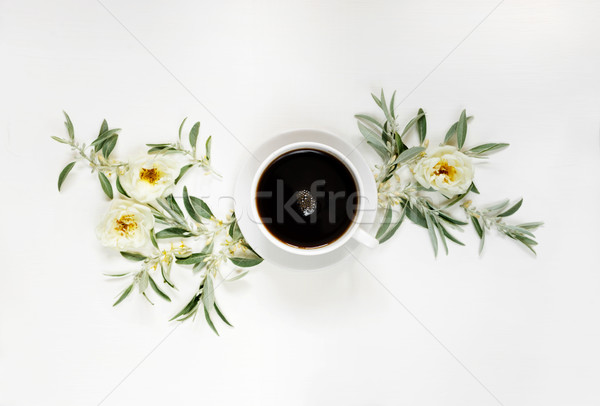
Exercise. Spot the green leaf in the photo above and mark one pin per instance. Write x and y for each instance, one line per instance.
(157, 290)
(385, 223)
(381, 151)
(208, 294)
(432, 236)
(222, 316)
(234, 231)
(58, 139)
(245, 262)
(486, 149)
(531, 226)
(153, 239)
(369, 119)
(451, 220)
(102, 138)
(408, 154)
(512, 210)
(384, 107)
(188, 206)
(109, 145)
(69, 126)
(391, 231)
(458, 198)
(181, 128)
(143, 283)
(392, 104)
(415, 216)
(190, 307)
(372, 138)
(201, 208)
(498, 206)
(461, 129)
(125, 293)
(450, 236)
(182, 172)
(173, 232)
(103, 127)
(208, 147)
(132, 256)
(411, 123)
(452, 131)
(422, 126)
(173, 205)
(64, 173)
(194, 134)
(474, 188)
(477, 226)
(442, 235)
(209, 321)
(192, 259)
(106, 186)
(377, 101)
(120, 188)
(165, 271)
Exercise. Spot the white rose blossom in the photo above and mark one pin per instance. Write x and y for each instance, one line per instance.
(445, 169)
(126, 226)
(150, 177)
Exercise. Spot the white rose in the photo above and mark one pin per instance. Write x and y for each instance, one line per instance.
(445, 169)
(126, 226)
(150, 177)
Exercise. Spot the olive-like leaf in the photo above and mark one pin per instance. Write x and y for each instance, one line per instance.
(120, 187)
(408, 154)
(245, 262)
(209, 321)
(512, 210)
(106, 186)
(182, 172)
(109, 145)
(486, 149)
(208, 148)
(173, 232)
(125, 293)
(156, 289)
(422, 126)
(222, 316)
(461, 130)
(201, 207)
(69, 125)
(187, 203)
(194, 134)
(192, 259)
(64, 173)
(132, 256)
(181, 127)
(385, 223)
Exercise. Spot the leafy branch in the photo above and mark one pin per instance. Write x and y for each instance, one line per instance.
(96, 155)
(493, 217)
(202, 161)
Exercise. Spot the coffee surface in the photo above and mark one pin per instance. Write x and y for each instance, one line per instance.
(307, 198)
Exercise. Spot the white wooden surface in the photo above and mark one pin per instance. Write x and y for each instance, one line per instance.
(405, 328)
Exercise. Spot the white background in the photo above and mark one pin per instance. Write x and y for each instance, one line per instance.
(505, 328)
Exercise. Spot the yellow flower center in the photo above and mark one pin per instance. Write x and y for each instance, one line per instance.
(443, 169)
(126, 225)
(150, 175)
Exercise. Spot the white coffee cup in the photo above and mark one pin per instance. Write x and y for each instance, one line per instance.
(353, 232)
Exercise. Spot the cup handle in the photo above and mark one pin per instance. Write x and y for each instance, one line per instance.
(365, 238)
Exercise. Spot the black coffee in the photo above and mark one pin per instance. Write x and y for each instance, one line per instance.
(307, 198)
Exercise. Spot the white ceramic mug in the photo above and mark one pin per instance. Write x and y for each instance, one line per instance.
(353, 232)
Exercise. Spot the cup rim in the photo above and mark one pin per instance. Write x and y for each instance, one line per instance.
(340, 241)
